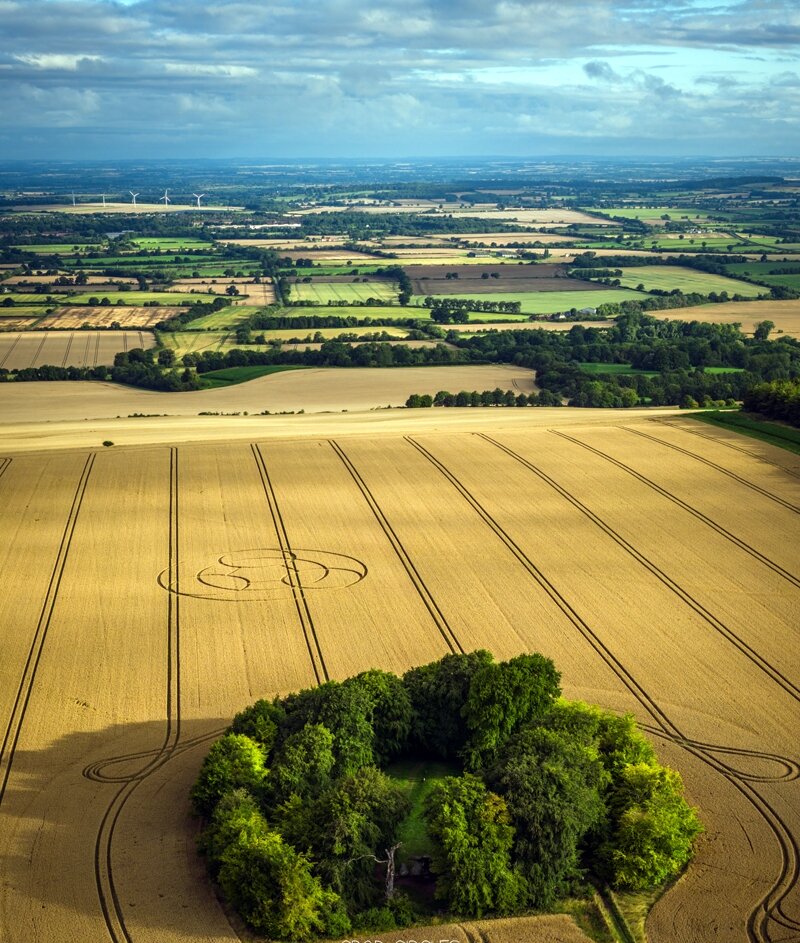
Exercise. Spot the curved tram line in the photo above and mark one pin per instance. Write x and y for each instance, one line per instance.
(770, 907)
(103, 867)
(18, 711)
(743, 545)
(720, 468)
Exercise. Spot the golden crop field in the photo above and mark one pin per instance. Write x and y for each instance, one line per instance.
(103, 316)
(153, 591)
(67, 348)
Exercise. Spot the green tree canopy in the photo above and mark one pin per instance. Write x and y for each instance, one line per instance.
(553, 787)
(233, 761)
(472, 834)
(653, 827)
(273, 889)
(438, 692)
(502, 697)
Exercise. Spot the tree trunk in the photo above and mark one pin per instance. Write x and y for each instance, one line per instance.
(390, 870)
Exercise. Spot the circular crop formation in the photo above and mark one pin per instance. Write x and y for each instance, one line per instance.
(467, 785)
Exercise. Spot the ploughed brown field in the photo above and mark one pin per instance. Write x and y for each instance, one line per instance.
(67, 348)
(147, 599)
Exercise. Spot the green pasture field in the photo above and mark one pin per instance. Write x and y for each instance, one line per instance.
(229, 376)
(322, 292)
(669, 277)
(676, 213)
(545, 302)
(66, 248)
(306, 334)
(22, 311)
(229, 317)
(144, 262)
(723, 369)
(772, 243)
(763, 272)
(193, 342)
(170, 242)
(619, 369)
(33, 300)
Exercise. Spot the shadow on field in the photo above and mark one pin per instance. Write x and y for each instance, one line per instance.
(99, 824)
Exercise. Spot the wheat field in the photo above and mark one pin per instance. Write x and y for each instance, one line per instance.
(152, 591)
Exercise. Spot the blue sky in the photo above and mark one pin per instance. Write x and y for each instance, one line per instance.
(349, 78)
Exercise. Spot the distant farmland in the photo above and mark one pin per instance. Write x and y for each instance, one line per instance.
(669, 277)
(67, 349)
(322, 292)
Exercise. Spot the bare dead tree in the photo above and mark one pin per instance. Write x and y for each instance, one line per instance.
(389, 861)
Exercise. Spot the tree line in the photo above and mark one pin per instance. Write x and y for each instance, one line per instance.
(779, 399)
(496, 397)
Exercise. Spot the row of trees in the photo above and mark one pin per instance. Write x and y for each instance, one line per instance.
(496, 397)
(436, 302)
(299, 808)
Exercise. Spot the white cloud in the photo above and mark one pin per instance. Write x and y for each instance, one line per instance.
(57, 61)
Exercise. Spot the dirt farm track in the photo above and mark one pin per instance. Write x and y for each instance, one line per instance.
(153, 590)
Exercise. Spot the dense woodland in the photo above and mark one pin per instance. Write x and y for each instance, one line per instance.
(303, 811)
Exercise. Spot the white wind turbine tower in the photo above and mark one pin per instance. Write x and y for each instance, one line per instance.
(73, 198)
(104, 200)
(134, 195)
(165, 198)
(197, 197)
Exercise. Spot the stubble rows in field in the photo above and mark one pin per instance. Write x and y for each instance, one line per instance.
(161, 589)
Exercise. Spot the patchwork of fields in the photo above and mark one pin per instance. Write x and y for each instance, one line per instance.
(67, 349)
(654, 562)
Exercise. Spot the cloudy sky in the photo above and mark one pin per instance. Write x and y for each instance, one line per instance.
(398, 78)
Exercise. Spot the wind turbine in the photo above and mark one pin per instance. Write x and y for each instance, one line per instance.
(197, 197)
(165, 198)
(104, 200)
(73, 198)
(134, 195)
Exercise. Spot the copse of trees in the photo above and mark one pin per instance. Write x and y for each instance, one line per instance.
(300, 803)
